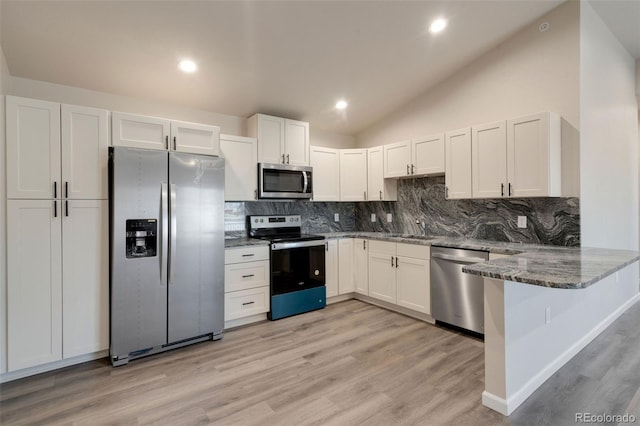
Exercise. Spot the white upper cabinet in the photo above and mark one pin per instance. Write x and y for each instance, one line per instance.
(424, 156)
(458, 164)
(269, 131)
(489, 160)
(280, 140)
(326, 173)
(195, 138)
(379, 188)
(139, 131)
(240, 167)
(534, 156)
(296, 142)
(56, 151)
(353, 175)
(428, 155)
(397, 159)
(85, 142)
(33, 148)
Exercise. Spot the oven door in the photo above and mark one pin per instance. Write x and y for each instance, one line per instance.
(297, 266)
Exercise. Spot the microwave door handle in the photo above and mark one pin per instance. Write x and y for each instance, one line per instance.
(306, 182)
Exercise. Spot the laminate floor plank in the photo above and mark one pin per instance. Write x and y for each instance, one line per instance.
(351, 363)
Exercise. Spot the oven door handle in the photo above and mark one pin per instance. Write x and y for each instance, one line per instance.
(299, 244)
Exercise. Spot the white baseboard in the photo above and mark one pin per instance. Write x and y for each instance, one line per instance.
(519, 396)
(32, 371)
(340, 298)
(495, 403)
(244, 321)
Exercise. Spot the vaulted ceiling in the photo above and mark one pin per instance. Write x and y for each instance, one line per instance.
(287, 58)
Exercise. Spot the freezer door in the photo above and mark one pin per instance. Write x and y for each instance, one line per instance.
(138, 283)
(196, 265)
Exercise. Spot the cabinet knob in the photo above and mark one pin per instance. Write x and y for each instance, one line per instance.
(166, 142)
(174, 143)
(408, 170)
(381, 195)
(412, 167)
(282, 158)
(287, 158)
(510, 192)
(502, 189)
(446, 192)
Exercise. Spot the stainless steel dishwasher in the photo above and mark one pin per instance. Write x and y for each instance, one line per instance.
(457, 298)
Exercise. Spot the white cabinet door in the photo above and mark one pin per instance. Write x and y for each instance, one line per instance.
(428, 155)
(85, 142)
(269, 131)
(345, 266)
(244, 303)
(489, 160)
(296, 142)
(413, 284)
(139, 131)
(353, 175)
(34, 283)
(240, 167)
(379, 188)
(397, 159)
(85, 280)
(331, 268)
(458, 164)
(382, 276)
(33, 148)
(326, 173)
(360, 266)
(195, 138)
(534, 155)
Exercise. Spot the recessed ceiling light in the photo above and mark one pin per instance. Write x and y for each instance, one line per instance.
(188, 66)
(438, 25)
(342, 104)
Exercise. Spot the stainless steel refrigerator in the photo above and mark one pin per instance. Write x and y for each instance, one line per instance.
(166, 250)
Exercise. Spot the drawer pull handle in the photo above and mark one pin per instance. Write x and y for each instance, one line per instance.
(248, 276)
(247, 255)
(248, 303)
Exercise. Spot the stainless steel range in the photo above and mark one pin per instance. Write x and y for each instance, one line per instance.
(297, 264)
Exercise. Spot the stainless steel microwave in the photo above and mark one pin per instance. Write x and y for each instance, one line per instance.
(284, 181)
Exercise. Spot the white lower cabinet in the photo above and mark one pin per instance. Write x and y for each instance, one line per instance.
(412, 277)
(331, 268)
(57, 292)
(246, 282)
(345, 266)
(361, 266)
(399, 274)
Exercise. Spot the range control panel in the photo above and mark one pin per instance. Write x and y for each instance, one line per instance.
(284, 221)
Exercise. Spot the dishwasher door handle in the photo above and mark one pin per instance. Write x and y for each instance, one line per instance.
(458, 259)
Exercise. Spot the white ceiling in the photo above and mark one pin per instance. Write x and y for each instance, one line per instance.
(287, 58)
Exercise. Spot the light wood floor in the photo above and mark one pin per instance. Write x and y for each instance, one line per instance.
(351, 363)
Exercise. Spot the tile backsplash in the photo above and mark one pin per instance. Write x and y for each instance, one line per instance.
(554, 221)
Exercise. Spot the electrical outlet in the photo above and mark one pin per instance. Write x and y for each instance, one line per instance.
(547, 315)
(336, 217)
(389, 218)
(373, 217)
(522, 221)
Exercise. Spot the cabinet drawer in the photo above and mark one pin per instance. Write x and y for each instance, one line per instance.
(384, 247)
(246, 254)
(244, 303)
(417, 251)
(243, 276)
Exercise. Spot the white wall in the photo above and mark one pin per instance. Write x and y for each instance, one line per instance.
(609, 138)
(533, 71)
(331, 140)
(229, 124)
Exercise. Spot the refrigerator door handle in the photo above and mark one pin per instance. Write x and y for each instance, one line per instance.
(172, 243)
(165, 232)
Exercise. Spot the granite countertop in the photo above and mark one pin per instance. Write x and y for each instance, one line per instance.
(243, 242)
(547, 266)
